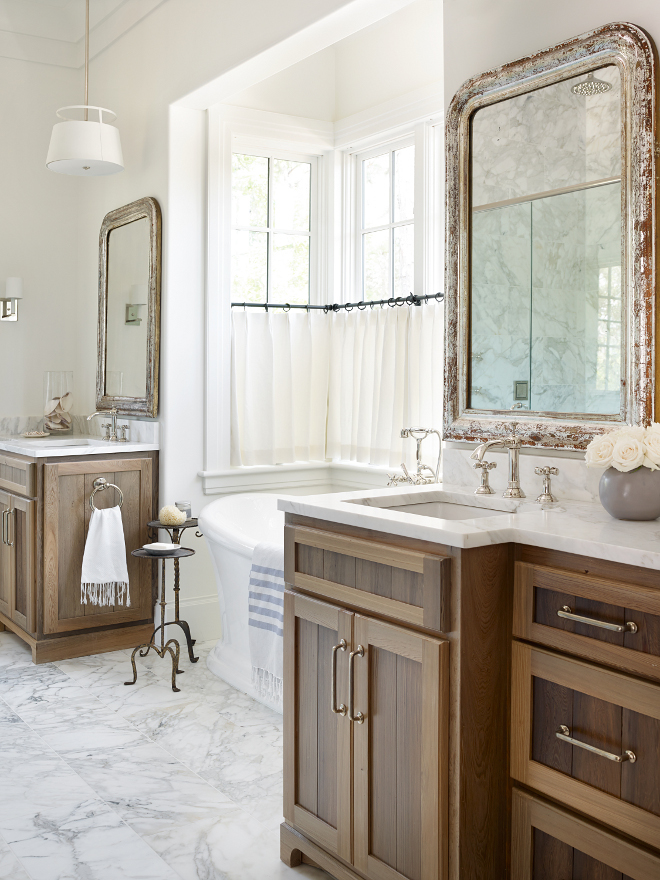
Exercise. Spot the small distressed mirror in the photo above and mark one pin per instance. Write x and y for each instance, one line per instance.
(129, 309)
(550, 243)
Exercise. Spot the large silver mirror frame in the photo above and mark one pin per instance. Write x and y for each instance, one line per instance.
(149, 209)
(631, 49)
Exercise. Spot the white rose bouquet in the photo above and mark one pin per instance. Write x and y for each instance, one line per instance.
(626, 449)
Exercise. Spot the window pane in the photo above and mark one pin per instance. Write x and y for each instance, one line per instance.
(404, 184)
(249, 188)
(249, 262)
(404, 259)
(291, 192)
(377, 275)
(376, 177)
(289, 279)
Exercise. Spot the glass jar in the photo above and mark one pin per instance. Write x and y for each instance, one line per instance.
(58, 401)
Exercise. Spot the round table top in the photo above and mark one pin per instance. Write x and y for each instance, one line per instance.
(175, 553)
(188, 524)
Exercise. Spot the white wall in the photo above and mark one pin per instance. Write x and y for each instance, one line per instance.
(38, 239)
(392, 57)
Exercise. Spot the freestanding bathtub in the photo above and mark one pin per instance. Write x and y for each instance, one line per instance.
(233, 525)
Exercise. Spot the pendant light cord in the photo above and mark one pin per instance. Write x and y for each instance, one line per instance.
(86, 59)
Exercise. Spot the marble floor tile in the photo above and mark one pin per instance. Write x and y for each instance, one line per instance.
(10, 867)
(14, 651)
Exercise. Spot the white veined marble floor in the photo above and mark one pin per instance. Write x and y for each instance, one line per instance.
(99, 781)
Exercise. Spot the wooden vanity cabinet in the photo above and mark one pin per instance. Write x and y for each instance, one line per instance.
(43, 540)
(374, 785)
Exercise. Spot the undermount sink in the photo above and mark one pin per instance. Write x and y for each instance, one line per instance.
(443, 505)
(65, 441)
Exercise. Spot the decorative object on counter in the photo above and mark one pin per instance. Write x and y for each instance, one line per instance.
(546, 496)
(35, 435)
(9, 302)
(170, 647)
(424, 473)
(172, 516)
(185, 507)
(104, 577)
(83, 147)
(58, 396)
(630, 486)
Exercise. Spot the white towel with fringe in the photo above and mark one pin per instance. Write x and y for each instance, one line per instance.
(104, 578)
(266, 620)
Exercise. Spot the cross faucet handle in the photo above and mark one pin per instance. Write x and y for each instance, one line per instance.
(546, 497)
(484, 487)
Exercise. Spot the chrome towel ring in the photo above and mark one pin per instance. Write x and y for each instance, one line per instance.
(99, 486)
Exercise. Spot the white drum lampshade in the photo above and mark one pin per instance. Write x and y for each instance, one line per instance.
(85, 148)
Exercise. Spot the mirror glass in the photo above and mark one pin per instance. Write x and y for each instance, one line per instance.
(127, 310)
(546, 242)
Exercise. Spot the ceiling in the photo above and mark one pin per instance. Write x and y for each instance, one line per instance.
(53, 31)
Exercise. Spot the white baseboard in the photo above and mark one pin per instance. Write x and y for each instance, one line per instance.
(202, 614)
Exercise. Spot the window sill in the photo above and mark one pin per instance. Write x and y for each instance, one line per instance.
(299, 478)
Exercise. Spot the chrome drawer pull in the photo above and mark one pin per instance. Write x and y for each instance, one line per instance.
(13, 531)
(341, 710)
(564, 734)
(4, 526)
(567, 614)
(354, 716)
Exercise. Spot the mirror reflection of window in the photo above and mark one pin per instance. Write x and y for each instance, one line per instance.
(271, 229)
(128, 285)
(546, 304)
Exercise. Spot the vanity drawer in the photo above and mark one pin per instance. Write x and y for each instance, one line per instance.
(406, 585)
(541, 594)
(551, 844)
(596, 708)
(17, 475)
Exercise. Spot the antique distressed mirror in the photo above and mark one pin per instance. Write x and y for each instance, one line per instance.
(550, 272)
(129, 309)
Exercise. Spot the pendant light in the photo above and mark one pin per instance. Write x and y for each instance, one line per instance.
(85, 147)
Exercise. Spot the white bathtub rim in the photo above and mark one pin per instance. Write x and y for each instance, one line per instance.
(221, 531)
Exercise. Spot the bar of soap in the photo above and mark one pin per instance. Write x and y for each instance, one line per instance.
(171, 516)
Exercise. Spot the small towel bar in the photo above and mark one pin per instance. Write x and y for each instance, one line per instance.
(99, 486)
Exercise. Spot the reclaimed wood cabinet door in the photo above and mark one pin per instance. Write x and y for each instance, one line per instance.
(67, 489)
(23, 527)
(317, 740)
(400, 740)
(6, 559)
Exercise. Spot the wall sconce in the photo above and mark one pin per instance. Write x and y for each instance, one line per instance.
(132, 314)
(9, 302)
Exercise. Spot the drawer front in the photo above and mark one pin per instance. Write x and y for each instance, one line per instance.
(620, 623)
(563, 709)
(406, 585)
(550, 844)
(17, 475)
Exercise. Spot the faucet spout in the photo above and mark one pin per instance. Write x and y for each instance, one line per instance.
(480, 451)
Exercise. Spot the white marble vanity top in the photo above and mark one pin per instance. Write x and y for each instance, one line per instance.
(51, 447)
(572, 526)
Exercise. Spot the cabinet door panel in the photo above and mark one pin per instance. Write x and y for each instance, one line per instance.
(67, 488)
(317, 760)
(6, 561)
(23, 518)
(400, 780)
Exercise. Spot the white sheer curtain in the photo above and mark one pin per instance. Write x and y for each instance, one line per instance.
(339, 386)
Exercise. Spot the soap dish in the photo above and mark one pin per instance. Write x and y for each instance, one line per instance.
(34, 435)
(159, 548)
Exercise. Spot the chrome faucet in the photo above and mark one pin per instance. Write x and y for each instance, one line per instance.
(424, 473)
(111, 427)
(513, 444)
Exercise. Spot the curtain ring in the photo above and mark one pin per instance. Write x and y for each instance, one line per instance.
(326, 309)
(348, 307)
(439, 297)
(372, 304)
(361, 305)
(287, 307)
(391, 302)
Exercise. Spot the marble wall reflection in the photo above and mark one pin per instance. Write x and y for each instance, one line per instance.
(546, 281)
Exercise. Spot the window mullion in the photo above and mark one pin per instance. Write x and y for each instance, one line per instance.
(392, 173)
(269, 233)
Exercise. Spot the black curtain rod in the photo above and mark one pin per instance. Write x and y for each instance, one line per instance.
(393, 301)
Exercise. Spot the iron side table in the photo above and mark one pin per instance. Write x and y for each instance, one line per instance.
(171, 646)
(175, 535)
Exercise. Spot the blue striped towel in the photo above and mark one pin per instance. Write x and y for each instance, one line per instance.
(266, 620)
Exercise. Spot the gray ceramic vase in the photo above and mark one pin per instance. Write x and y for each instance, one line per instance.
(635, 495)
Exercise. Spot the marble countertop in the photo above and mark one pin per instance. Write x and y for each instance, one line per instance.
(53, 447)
(578, 527)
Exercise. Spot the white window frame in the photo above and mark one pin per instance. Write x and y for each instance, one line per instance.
(360, 230)
(250, 147)
(336, 147)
